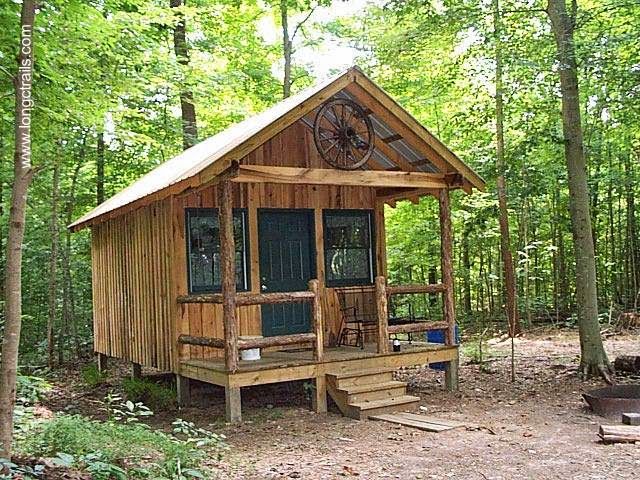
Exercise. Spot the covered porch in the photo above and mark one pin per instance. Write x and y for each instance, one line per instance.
(310, 355)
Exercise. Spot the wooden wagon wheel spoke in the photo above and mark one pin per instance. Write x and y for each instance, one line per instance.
(343, 134)
(329, 138)
(330, 147)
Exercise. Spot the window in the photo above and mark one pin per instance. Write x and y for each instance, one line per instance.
(203, 249)
(348, 247)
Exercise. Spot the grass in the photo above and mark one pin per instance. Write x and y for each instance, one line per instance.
(113, 450)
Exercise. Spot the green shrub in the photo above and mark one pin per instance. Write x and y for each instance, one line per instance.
(30, 389)
(115, 450)
(155, 395)
(92, 376)
(125, 411)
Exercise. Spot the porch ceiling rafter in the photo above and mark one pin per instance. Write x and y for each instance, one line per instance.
(382, 145)
(322, 176)
(409, 136)
(411, 130)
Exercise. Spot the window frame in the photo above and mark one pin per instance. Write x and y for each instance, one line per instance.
(372, 254)
(243, 214)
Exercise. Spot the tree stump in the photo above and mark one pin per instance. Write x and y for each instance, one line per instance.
(628, 363)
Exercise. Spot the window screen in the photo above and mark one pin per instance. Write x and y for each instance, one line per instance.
(348, 247)
(203, 249)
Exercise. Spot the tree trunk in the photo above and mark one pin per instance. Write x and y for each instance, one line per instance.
(286, 49)
(593, 356)
(505, 238)
(188, 108)
(632, 255)
(100, 169)
(466, 270)
(53, 262)
(68, 303)
(23, 174)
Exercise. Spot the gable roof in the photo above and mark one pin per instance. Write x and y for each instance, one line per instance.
(205, 160)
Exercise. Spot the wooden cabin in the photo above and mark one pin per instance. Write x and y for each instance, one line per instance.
(271, 235)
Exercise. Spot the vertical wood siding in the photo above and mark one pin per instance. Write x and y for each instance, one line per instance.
(131, 273)
(294, 147)
(140, 265)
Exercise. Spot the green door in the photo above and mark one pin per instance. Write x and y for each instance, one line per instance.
(287, 263)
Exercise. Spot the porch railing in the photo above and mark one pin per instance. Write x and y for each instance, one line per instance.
(233, 344)
(384, 291)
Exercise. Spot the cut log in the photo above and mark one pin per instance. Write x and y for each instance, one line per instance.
(619, 433)
(278, 341)
(631, 418)
(417, 327)
(628, 363)
(201, 341)
(403, 289)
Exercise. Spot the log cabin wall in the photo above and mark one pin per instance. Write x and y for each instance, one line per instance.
(131, 273)
(294, 147)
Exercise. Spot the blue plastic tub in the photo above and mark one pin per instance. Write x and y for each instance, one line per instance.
(437, 336)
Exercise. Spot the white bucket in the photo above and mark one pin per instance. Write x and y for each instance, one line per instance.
(251, 354)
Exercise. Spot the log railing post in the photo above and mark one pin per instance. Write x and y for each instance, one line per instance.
(316, 319)
(228, 276)
(383, 315)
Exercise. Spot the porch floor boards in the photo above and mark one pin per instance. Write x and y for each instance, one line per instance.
(298, 364)
(304, 356)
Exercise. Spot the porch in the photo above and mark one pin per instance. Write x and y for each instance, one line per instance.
(301, 364)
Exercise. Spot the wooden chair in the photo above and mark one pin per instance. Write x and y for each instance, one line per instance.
(358, 311)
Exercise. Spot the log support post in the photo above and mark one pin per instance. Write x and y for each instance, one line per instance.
(320, 394)
(233, 404)
(383, 315)
(136, 371)
(102, 362)
(451, 375)
(446, 259)
(183, 391)
(228, 276)
(317, 323)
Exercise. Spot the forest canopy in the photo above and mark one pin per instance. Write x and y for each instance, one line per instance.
(111, 77)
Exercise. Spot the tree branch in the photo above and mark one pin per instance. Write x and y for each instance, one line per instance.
(295, 31)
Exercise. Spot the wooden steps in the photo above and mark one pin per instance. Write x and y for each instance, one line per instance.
(362, 393)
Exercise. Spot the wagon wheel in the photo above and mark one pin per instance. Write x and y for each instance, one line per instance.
(343, 134)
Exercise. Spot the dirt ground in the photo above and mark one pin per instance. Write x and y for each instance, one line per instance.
(535, 428)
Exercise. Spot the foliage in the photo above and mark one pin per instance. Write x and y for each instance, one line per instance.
(145, 390)
(30, 389)
(126, 411)
(10, 470)
(437, 59)
(197, 436)
(92, 376)
(121, 450)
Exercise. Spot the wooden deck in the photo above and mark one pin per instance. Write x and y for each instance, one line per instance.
(298, 364)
